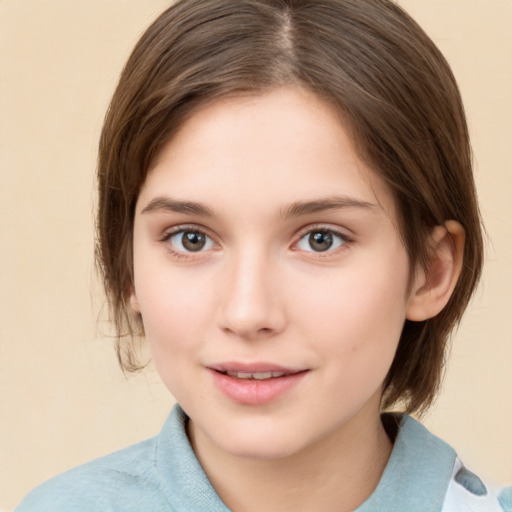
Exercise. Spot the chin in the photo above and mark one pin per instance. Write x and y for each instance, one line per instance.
(262, 450)
(260, 444)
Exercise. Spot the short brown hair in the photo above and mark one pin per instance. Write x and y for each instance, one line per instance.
(369, 60)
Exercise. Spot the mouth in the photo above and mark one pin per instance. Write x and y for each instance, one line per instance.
(256, 375)
(256, 371)
(256, 384)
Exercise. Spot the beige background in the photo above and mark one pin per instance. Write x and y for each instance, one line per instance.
(62, 398)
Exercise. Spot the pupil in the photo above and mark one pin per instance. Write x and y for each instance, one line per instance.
(320, 241)
(193, 241)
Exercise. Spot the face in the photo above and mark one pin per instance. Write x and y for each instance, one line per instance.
(269, 273)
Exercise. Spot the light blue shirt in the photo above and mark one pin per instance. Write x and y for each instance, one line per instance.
(163, 474)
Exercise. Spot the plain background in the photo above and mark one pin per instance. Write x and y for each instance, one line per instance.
(63, 399)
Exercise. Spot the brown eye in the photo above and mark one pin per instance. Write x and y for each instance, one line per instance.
(193, 241)
(190, 241)
(321, 240)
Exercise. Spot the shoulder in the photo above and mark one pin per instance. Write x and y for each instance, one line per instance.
(158, 475)
(125, 480)
(424, 474)
(463, 490)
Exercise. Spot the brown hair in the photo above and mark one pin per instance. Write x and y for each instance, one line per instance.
(368, 59)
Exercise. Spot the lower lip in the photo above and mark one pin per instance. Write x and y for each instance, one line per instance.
(253, 391)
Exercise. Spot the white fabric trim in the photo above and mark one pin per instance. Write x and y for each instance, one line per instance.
(460, 499)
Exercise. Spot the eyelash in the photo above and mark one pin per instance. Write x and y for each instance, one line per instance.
(183, 229)
(320, 228)
(183, 255)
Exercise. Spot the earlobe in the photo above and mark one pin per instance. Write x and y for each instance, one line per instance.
(433, 287)
(134, 303)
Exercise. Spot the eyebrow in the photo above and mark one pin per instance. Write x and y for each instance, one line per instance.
(299, 208)
(295, 209)
(167, 204)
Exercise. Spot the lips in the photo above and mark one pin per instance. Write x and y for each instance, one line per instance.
(255, 384)
(255, 375)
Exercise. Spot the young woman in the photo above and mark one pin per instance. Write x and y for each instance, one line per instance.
(287, 214)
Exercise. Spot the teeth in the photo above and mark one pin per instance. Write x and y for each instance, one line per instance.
(257, 376)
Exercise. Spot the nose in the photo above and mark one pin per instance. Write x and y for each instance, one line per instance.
(252, 305)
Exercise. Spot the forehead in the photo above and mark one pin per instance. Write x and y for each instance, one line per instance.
(270, 149)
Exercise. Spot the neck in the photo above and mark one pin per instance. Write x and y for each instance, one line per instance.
(338, 473)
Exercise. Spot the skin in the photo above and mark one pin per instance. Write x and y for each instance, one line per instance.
(259, 291)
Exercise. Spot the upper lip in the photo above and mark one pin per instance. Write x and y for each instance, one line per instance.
(256, 367)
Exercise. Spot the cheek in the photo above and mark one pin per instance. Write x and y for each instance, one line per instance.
(355, 307)
(174, 312)
(359, 317)
(172, 315)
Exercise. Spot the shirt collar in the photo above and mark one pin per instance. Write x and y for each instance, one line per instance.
(181, 476)
(417, 474)
(415, 479)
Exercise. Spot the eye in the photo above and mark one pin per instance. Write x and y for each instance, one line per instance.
(189, 240)
(321, 240)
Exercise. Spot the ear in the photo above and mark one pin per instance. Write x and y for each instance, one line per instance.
(134, 303)
(433, 287)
